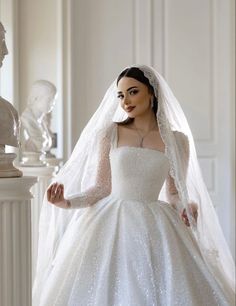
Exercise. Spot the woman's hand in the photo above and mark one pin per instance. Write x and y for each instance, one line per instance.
(55, 195)
(193, 208)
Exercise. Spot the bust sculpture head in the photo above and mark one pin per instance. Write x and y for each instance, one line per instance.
(3, 47)
(41, 98)
(35, 136)
(9, 120)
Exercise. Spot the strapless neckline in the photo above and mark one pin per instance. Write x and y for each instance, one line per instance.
(144, 149)
(141, 149)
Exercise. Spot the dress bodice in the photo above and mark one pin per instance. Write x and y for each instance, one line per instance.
(137, 173)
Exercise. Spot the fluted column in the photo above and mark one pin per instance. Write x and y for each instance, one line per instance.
(44, 175)
(15, 241)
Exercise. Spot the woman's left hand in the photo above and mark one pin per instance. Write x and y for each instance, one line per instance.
(193, 208)
(55, 195)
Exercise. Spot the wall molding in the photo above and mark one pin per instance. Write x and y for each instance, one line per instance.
(65, 64)
(143, 32)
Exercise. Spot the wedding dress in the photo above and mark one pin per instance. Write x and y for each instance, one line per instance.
(123, 247)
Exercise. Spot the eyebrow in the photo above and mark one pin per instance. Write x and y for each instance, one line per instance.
(127, 89)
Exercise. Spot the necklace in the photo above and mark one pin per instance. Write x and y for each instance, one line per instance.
(142, 137)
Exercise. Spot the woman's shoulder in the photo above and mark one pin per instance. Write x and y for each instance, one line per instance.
(180, 136)
(182, 140)
(109, 132)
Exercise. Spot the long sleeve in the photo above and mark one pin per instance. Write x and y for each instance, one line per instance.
(102, 187)
(172, 192)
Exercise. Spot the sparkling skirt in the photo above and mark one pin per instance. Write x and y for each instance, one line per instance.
(129, 253)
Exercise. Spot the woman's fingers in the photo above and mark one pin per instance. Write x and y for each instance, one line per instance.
(59, 193)
(55, 193)
(185, 217)
(49, 192)
(54, 188)
(56, 197)
(194, 212)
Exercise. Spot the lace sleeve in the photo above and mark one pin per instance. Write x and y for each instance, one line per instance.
(172, 192)
(102, 187)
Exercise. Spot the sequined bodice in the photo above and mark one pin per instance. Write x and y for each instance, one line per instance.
(137, 173)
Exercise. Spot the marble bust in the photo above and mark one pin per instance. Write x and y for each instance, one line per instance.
(36, 138)
(47, 121)
(9, 124)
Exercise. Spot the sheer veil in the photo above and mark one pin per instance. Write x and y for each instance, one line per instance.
(79, 173)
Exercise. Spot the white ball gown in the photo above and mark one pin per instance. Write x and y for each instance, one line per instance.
(128, 249)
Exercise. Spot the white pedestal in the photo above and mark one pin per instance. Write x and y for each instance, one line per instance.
(32, 159)
(52, 161)
(44, 175)
(15, 241)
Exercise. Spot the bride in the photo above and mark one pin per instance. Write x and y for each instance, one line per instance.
(128, 220)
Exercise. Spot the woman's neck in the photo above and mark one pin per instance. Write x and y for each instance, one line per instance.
(146, 122)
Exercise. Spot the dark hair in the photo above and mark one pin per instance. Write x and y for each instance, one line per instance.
(137, 74)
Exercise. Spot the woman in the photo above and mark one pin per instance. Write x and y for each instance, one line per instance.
(135, 225)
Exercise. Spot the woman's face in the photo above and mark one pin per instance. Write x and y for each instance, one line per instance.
(134, 97)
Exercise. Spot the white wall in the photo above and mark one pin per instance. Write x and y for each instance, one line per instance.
(38, 32)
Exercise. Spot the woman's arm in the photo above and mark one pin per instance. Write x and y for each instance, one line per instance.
(100, 190)
(172, 192)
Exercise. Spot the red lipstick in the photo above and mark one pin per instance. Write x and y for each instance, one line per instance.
(130, 108)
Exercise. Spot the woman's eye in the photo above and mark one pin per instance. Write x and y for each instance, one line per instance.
(120, 96)
(133, 92)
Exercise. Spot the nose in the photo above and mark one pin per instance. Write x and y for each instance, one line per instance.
(126, 100)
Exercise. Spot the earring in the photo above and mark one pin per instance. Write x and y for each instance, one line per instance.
(152, 103)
